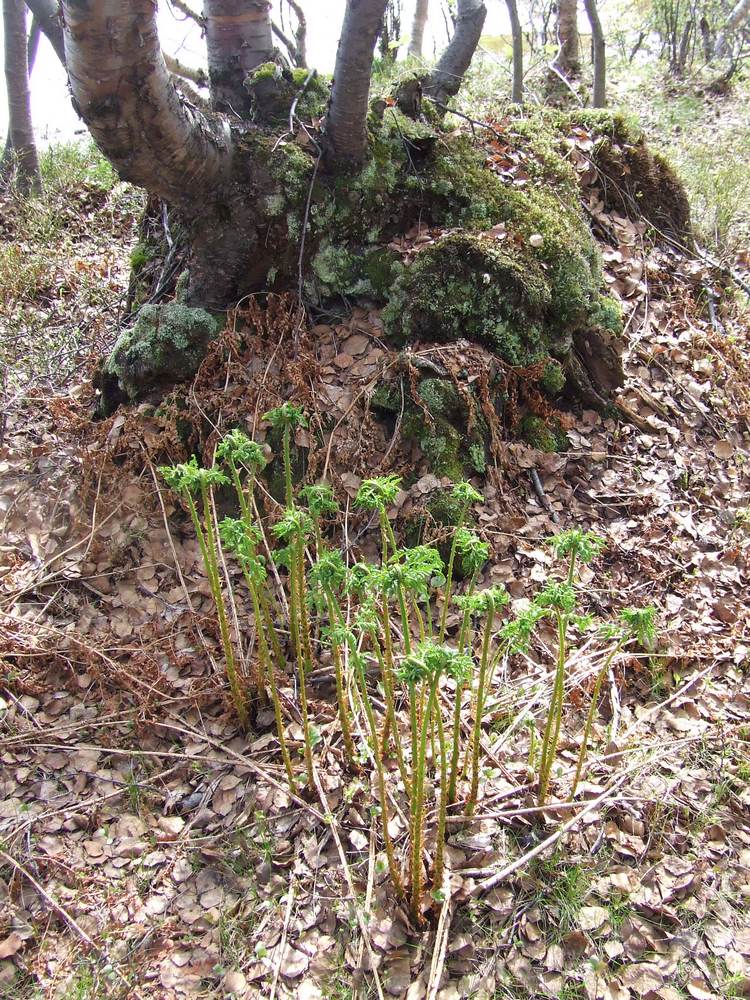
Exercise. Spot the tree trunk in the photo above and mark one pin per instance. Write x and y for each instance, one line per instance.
(6, 160)
(517, 36)
(446, 79)
(416, 42)
(568, 59)
(24, 162)
(599, 96)
(739, 13)
(707, 38)
(239, 38)
(346, 134)
(47, 13)
(682, 52)
(122, 89)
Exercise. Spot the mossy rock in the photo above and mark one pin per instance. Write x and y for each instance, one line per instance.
(472, 287)
(166, 345)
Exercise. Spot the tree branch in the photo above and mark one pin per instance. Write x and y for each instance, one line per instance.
(446, 79)
(287, 42)
(300, 35)
(346, 136)
(188, 11)
(47, 14)
(122, 89)
(196, 76)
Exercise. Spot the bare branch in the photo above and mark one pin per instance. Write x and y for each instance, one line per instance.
(287, 42)
(188, 11)
(446, 79)
(300, 34)
(124, 93)
(345, 126)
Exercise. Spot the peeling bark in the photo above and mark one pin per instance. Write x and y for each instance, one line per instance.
(599, 96)
(346, 135)
(446, 79)
(239, 38)
(416, 42)
(123, 91)
(22, 159)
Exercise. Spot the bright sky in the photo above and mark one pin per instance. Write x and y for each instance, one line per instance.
(55, 120)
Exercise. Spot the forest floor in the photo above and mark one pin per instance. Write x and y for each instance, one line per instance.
(149, 850)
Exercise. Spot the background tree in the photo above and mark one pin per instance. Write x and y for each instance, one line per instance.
(445, 80)
(599, 49)
(390, 32)
(738, 16)
(416, 42)
(567, 62)
(20, 158)
(517, 39)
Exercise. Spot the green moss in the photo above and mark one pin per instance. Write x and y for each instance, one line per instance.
(606, 313)
(140, 255)
(442, 432)
(472, 287)
(553, 379)
(266, 71)
(541, 435)
(167, 343)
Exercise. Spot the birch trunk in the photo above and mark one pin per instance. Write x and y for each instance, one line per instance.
(239, 38)
(346, 134)
(568, 58)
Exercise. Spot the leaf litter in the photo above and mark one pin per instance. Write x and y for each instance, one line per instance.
(152, 850)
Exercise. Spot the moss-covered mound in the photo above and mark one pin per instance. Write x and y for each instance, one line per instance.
(633, 179)
(166, 344)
